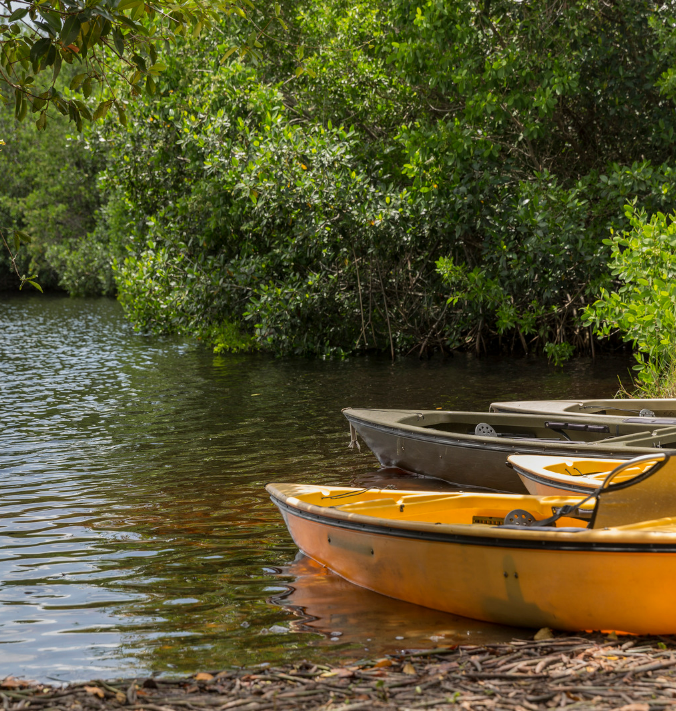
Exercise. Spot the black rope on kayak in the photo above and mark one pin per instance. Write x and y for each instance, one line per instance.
(359, 491)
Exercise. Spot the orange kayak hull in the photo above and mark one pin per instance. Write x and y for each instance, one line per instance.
(566, 581)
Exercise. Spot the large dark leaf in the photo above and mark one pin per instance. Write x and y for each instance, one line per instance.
(40, 48)
(71, 29)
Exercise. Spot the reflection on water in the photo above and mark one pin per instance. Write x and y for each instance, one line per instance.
(135, 533)
(361, 623)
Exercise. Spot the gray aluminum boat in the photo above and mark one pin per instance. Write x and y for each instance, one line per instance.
(471, 448)
(657, 412)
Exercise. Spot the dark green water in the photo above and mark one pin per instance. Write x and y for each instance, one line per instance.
(135, 533)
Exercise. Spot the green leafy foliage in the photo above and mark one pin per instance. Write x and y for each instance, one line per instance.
(19, 238)
(643, 262)
(342, 176)
(546, 257)
(49, 191)
(226, 337)
(115, 44)
(558, 353)
(83, 267)
(384, 157)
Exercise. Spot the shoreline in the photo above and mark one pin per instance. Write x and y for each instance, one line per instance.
(564, 671)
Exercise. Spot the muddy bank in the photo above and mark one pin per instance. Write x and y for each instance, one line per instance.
(603, 672)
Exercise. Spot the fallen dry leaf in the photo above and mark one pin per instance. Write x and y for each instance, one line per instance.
(634, 707)
(120, 698)
(203, 676)
(408, 668)
(95, 691)
(544, 633)
(11, 683)
(382, 663)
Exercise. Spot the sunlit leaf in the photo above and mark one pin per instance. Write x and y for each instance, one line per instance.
(229, 53)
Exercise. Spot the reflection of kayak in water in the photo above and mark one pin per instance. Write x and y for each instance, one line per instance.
(518, 560)
(470, 448)
(327, 603)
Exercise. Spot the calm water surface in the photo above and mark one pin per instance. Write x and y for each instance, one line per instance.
(135, 533)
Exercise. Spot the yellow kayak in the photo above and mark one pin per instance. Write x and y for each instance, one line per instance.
(607, 562)
(561, 476)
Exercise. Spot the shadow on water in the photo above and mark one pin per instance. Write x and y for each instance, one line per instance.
(135, 533)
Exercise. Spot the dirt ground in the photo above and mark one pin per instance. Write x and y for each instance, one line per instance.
(572, 672)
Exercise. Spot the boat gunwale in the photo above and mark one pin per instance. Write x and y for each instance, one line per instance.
(484, 442)
(561, 407)
(602, 540)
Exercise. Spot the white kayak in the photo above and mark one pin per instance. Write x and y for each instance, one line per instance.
(553, 476)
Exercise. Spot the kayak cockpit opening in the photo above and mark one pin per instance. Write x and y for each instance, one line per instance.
(454, 508)
(550, 431)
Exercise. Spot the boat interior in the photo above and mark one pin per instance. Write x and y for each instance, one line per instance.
(543, 428)
(448, 508)
(593, 469)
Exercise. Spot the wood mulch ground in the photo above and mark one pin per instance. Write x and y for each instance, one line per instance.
(594, 671)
